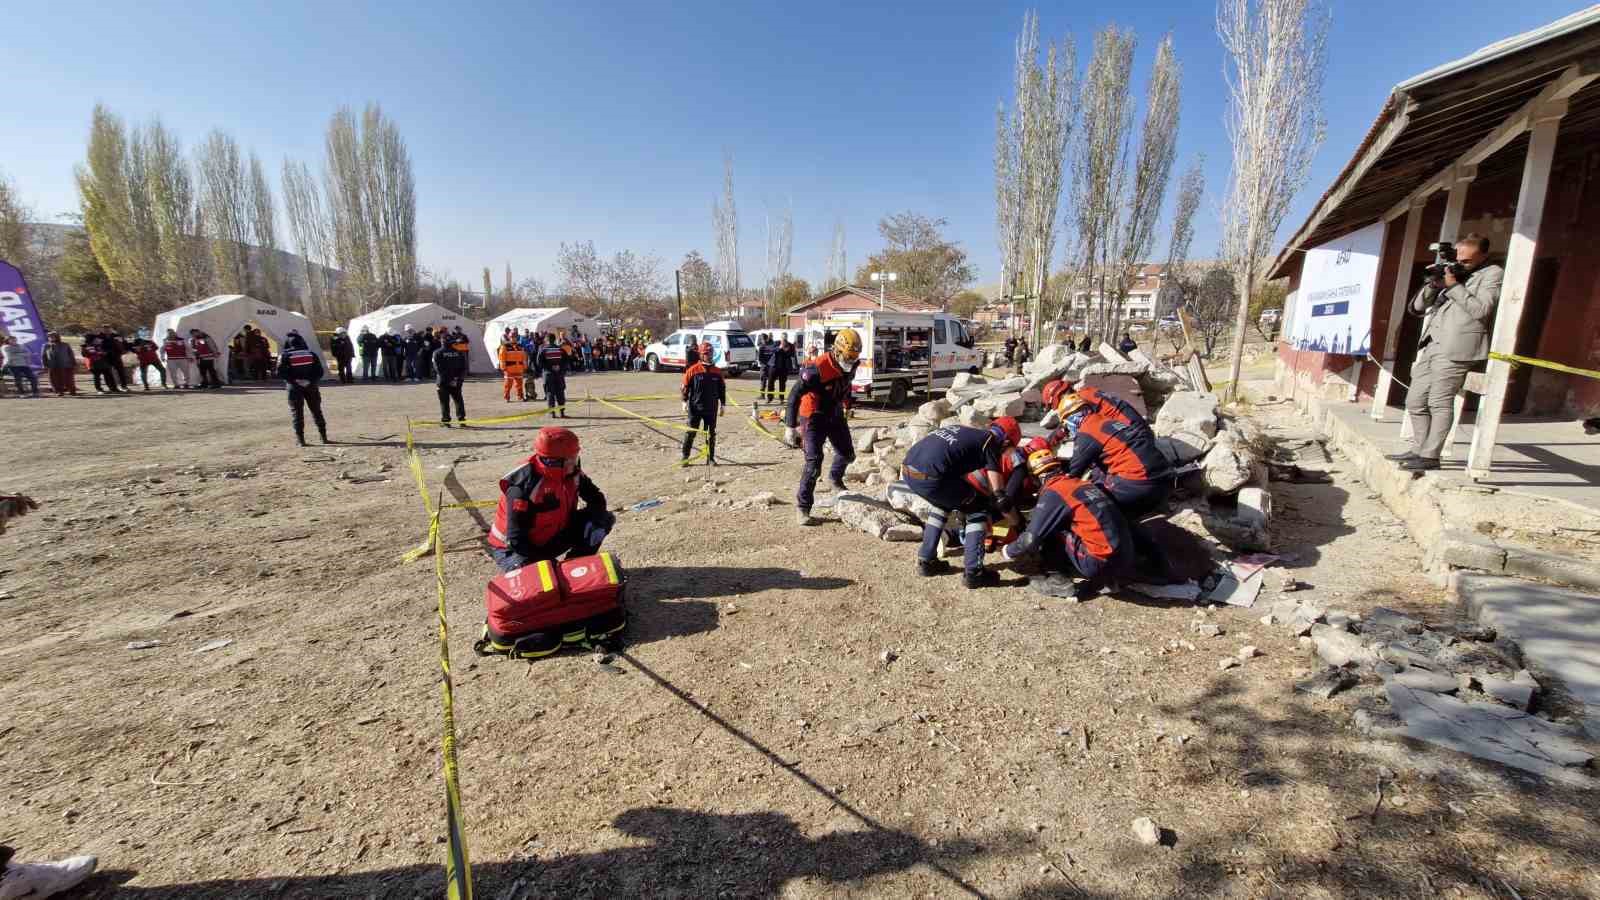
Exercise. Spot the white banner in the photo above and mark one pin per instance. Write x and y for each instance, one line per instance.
(1333, 307)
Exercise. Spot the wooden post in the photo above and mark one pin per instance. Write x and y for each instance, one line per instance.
(1519, 271)
(1397, 310)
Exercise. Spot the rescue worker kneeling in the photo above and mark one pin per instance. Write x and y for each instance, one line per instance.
(937, 468)
(1075, 528)
(1113, 446)
(538, 516)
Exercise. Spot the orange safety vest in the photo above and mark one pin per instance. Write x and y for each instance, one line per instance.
(513, 361)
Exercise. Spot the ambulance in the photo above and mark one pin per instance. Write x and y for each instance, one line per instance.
(896, 351)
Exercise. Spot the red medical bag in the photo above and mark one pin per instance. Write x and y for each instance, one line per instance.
(540, 608)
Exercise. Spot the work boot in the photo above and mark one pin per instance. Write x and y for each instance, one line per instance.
(928, 568)
(40, 880)
(444, 423)
(301, 437)
(323, 433)
(1400, 457)
(838, 485)
(980, 579)
(1055, 585)
(803, 517)
(1420, 464)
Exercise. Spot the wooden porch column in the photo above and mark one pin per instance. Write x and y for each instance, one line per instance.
(1519, 269)
(1397, 309)
(1449, 229)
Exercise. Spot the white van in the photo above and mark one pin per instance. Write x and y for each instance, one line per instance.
(731, 348)
(794, 335)
(897, 348)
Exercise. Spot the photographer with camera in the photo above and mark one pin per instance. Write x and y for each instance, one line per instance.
(1458, 302)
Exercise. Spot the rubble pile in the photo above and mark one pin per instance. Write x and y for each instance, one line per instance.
(1223, 492)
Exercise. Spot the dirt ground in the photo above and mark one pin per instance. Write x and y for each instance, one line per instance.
(750, 742)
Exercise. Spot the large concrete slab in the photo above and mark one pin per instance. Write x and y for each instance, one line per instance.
(1559, 631)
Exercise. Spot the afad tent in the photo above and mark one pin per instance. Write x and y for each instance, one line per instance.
(426, 315)
(544, 319)
(225, 315)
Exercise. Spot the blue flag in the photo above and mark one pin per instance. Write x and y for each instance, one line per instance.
(18, 316)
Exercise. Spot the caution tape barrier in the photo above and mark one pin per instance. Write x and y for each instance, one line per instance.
(1516, 360)
(457, 866)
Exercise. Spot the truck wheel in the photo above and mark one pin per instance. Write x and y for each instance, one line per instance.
(652, 363)
(898, 392)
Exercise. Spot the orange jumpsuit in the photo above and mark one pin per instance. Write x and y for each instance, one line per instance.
(513, 364)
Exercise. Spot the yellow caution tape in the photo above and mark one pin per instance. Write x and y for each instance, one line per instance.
(705, 449)
(762, 428)
(457, 866)
(1516, 360)
(495, 420)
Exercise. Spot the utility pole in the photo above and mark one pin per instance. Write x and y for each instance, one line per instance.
(677, 281)
(883, 279)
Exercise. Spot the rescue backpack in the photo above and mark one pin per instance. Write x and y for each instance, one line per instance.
(545, 606)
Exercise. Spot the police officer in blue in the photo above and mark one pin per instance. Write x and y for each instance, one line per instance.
(300, 370)
(936, 470)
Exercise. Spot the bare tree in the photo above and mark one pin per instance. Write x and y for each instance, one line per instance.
(372, 199)
(1100, 165)
(780, 253)
(177, 214)
(725, 221)
(313, 238)
(225, 204)
(1030, 153)
(607, 287)
(1210, 299)
(16, 244)
(1275, 55)
(1191, 187)
(264, 232)
(838, 263)
(510, 288)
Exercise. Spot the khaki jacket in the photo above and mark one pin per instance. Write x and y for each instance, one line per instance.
(1460, 319)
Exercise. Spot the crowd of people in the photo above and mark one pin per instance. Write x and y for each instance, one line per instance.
(188, 360)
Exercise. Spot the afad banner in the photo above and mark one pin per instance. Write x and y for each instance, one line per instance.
(1333, 308)
(18, 316)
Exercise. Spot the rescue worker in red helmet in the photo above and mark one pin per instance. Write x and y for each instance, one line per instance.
(936, 469)
(1111, 404)
(705, 396)
(1075, 528)
(1115, 450)
(538, 516)
(816, 415)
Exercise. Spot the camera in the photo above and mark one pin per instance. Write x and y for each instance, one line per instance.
(1444, 258)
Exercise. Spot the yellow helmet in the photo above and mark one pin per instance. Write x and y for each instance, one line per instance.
(1070, 402)
(847, 347)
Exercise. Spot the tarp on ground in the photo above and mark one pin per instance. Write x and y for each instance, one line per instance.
(225, 315)
(546, 319)
(426, 315)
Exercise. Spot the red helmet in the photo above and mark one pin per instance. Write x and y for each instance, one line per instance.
(552, 447)
(1033, 445)
(705, 351)
(1053, 391)
(1007, 429)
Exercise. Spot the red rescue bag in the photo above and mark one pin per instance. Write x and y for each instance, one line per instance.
(544, 606)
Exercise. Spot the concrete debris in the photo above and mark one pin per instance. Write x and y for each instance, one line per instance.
(213, 645)
(1511, 693)
(1249, 651)
(996, 405)
(1487, 731)
(1419, 679)
(968, 379)
(903, 531)
(1230, 464)
(1185, 591)
(1050, 421)
(863, 438)
(1327, 682)
(973, 417)
(865, 513)
(1338, 647)
(1187, 411)
(1227, 662)
(1183, 447)
(935, 410)
(1205, 629)
(143, 645)
(1146, 832)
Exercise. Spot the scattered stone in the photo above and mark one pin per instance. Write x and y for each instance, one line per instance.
(214, 645)
(888, 656)
(973, 417)
(1424, 680)
(1189, 411)
(1146, 832)
(904, 532)
(1468, 631)
(1338, 647)
(1230, 465)
(935, 410)
(997, 405)
(1487, 731)
(865, 513)
(1186, 591)
(968, 379)
(1248, 651)
(1510, 693)
(1388, 618)
(1227, 662)
(1050, 421)
(1206, 629)
(1269, 619)
(1326, 683)
(143, 645)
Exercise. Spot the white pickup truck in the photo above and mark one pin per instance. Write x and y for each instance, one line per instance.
(897, 348)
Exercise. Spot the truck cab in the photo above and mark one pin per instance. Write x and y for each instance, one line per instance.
(900, 351)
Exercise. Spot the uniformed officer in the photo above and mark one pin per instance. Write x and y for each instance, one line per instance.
(816, 414)
(1076, 529)
(705, 396)
(449, 373)
(552, 361)
(538, 516)
(300, 370)
(936, 469)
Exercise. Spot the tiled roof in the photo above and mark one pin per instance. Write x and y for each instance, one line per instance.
(892, 300)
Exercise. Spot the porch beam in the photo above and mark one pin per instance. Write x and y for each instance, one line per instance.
(1387, 350)
(1524, 244)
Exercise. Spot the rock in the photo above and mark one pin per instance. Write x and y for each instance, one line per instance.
(1227, 662)
(1050, 421)
(903, 499)
(865, 513)
(1423, 680)
(1388, 618)
(213, 645)
(1468, 631)
(1187, 446)
(1146, 831)
(1249, 651)
(863, 438)
(966, 380)
(935, 410)
(997, 405)
(903, 531)
(1326, 683)
(1254, 511)
(1229, 465)
(1188, 411)
(972, 417)
(909, 434)
(143, 645)
(1488, 731)
(1205, 629)
(1338, 647)
(1510, 693)
(765, 499)
(1185, 591)
(1114, 368)
(952, 421)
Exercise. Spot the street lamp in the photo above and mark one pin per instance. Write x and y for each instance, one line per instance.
(883, 279)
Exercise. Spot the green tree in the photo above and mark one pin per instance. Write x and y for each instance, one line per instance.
(929, 267)
(1271, 296)
(965, 304)
(789, 292)
(88, 297)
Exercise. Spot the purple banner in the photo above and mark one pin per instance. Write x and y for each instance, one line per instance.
(18, 316)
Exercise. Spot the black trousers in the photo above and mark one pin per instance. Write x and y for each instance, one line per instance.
(104, 370)
(369, 367)
(708, 421)
(569, 540)
(447, 393)
(814, 435)
(555, 391)
(301, 397)
(144, 373)
(768, 380)
(208, 374)
(346, 374)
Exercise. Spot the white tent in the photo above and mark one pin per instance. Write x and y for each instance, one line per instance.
(225, 315)
(426, 315)
(545, 319)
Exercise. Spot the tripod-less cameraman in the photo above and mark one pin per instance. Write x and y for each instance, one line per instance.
(1458, 301)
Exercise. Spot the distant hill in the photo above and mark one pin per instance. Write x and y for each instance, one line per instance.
(50, 242)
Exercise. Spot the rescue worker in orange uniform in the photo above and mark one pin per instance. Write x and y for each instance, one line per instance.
(513, 365)
(705, 396)
(1075, 528)
(818, 408)
(937, 470)
(538, 517)
(1113, 446)
(1110, 404)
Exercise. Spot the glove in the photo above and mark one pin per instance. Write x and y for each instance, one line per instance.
(791, 438)
(686, 407)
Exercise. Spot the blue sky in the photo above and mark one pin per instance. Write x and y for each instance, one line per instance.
(534, 124)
